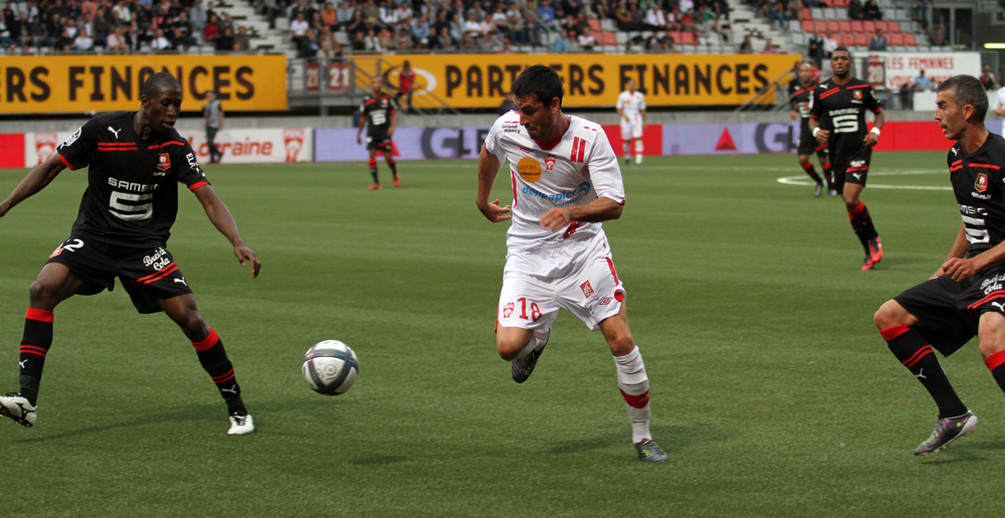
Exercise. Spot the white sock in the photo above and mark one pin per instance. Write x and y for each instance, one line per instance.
(533, 344)
(638, 151)
(634, 385)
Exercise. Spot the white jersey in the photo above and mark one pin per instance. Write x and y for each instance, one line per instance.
(576, 170)
(632, 105)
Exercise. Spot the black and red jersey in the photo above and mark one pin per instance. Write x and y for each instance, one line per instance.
(841, 109)
(377, 110)
(132, 184)
(979, 186)
(799, 97)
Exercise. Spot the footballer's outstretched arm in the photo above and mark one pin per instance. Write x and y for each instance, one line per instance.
(488, 167)
(36, 180)
(223, 220)
(600, 209)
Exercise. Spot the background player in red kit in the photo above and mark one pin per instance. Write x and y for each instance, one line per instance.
(837, 118)
(135, 161)
(965, 296)
(799, 96)
(379, 115)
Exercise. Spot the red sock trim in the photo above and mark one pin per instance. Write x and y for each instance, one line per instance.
(826, 166)
(921, 353)
(227, 376)
(372, 162)
(208, 343)
(995, 360)
(638, 401)
(807, 167)
(857, 210)
(893, 332)
(39, 314)
(33, 349)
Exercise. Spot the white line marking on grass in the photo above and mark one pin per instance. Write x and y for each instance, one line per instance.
(805, 180)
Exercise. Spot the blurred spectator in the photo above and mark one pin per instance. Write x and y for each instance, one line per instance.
(563, 43)
(871, 11)
(878, 40)
(937, 34)
(778, 13)
(271, 8)
(747, 47)
(922, 83)
(421, 29)
(82, 41)
(547, 14)
(329, 17)
(586, 41)
(345, 12)
(769, 48)
(242, 42)
(506, 105)
(160, 41)
(830, 44)
(298, 28)
(404, 12)
(181, 41)
(622, 20)
(655, 19)
(855, 10)
(924, 13)
(815, 48)
(387, 38)
(211, 30)
(371, 43)
(122, 14)
(572, 7)
(225, 41)
(116, 41)
(507, 47)
(310, 44)
(443, 40)
(906, 95)
(988, 78)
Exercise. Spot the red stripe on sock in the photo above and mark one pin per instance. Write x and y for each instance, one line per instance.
(208, 343)
(857, 210)
(921, 353)
(227, 376)
(807, 167)
(33, 349)
(39, 314)
(638, 401)
(995, 360)
(893, 332)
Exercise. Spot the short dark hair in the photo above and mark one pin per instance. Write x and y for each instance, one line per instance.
(541, 81)
(160, 80)
(842, 47)
(966, 90)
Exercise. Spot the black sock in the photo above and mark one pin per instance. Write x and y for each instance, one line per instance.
(918, 356)
(812, 173)
(394, 167)
(996, 364)
(861, 224)
(214, 360)
(35, 345)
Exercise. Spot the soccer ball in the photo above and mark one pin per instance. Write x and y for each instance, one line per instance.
(330, 367)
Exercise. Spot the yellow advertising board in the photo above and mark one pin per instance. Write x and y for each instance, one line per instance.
(84, 83)
(481, 80)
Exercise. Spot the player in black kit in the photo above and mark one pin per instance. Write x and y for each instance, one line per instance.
(799, 96)
(837, 118)
(379, 115)
(134, 161)
(966, 296)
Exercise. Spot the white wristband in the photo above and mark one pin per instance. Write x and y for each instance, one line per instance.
(815, 131)
(874, 130)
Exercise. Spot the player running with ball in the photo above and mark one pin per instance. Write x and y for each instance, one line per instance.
(566, 182)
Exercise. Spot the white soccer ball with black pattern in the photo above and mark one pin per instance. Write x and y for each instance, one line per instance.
(330, 367)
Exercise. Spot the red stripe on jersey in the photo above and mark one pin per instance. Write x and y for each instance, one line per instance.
(857, 86)
(116, 144)
(208, 343)
(512, 181)
(998, 294)
(893, 332)
(858, 168)
(575, 148)
(32, 349)
(987, 166)
(41, 315)
(877, 110)
(921, 353)
(582, 151)
(168, 143)
(639, 401)
(196, 185)
(67, 164)
(156, 276)
(955, 168)
(958, 162)
(832, 91)
(995, 360)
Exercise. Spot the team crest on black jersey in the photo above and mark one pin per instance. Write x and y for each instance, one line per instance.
(856, 95)
(163, 162)
(981, 183)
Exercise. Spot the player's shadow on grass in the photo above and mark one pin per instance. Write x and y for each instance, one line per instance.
(670, 438)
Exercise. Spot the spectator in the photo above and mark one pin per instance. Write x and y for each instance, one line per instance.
(586, 41)
(404, 12)
(815, 48)
(309, 46)
(547, 14)
(924, 14)
(937, 34)
(855, 10)
(922, 83)
(242, 42)
(82, 41)
(878, 40)
(116, 41)
(769, 48)
(421, 29)
(387, 39)
(345, 13)
(181, 41)
(211, 30)
(507, 47)
(443, 40)
(563, 43)
(371, 41)
(747, 47)
(622, 19)
(871, 11)
(906, 96)
(225, 41)
(655, 19)
(329, 17)
(298, 28)
(988, 79)
(830, 44)
(777, 13)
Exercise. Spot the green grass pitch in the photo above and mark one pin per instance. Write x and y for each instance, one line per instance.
(772, 391)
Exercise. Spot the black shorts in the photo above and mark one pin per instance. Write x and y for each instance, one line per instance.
(379, 141)
(949, 311)
(854, 169)
(809, 145)
(147, 274)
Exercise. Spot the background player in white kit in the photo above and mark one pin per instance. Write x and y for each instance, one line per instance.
(566, 181)
(632, 109)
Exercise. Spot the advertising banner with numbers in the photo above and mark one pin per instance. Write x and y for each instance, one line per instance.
(331, 77)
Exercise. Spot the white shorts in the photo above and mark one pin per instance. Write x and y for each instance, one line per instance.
(631, 128)
(578, 276)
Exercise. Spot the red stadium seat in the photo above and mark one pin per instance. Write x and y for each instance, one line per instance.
(909, 39)
(856, 26)
(880, 24)
(895, 38)
(688, 38)
(845, 26)
(607, 38)
(862, 39)
(833, 25)
(807, 15)
(839, 3)
(893, 26)
(819, 26)
(846, 39)
(807, 25)
(869, 26)
(594, 25)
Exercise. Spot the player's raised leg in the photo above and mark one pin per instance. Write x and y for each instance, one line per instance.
(633, 383)
(54, 284)
(213, 358)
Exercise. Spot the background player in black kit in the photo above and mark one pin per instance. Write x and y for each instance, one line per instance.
(966, 296)
(135, 161)
(799, 96)
(379, 115)
(837, 118)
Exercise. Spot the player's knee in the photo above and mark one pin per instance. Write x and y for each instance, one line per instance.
(888, 315)
(621, 344)
(510, 346)
(42, 294)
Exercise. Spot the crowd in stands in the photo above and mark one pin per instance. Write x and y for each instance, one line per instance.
(87, 26)
(494, 25)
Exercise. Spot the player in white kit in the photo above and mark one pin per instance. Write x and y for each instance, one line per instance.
(632, 109)
(565, 181)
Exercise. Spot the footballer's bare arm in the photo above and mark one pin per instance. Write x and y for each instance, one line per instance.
(488, 166)
(36, 180)
(601, 209)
